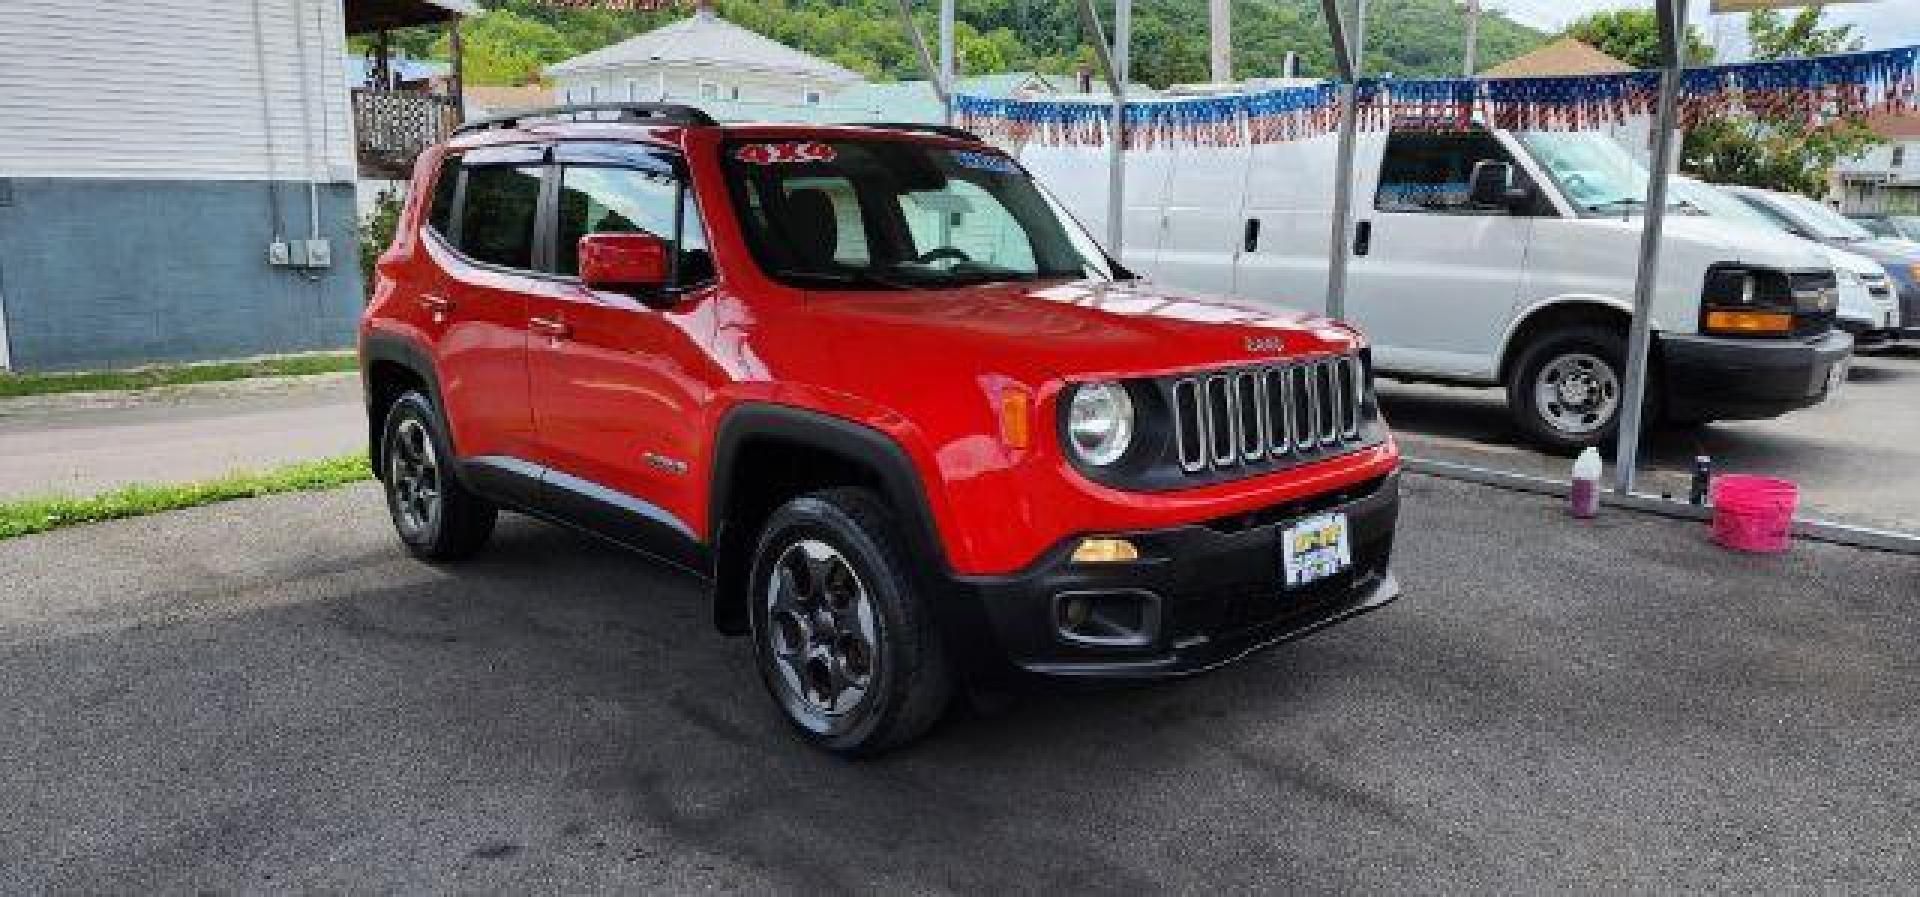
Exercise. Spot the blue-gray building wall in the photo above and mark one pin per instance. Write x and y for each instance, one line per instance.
(104, 273)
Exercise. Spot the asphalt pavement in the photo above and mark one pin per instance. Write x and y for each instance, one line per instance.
(82, 443)
(268, 696)
(1856, 456)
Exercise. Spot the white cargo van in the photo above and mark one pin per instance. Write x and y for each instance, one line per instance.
(1487, 257)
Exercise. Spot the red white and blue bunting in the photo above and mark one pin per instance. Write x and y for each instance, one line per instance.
(1823, 89)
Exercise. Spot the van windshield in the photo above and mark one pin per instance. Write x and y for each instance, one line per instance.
(895, 214)
(1595, 173)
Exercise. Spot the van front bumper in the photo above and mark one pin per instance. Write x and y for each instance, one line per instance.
(1199, 597)
(1728, 378)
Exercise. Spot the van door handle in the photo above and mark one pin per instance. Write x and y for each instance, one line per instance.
(1363, 238)
(1250, 238)
(550, 328)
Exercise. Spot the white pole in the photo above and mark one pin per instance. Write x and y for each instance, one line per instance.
(1473, 38)
(1349, 44)
(1673, 22)
(1220, 40)
(948, 65)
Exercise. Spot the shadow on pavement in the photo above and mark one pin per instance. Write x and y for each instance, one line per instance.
(1556, 705)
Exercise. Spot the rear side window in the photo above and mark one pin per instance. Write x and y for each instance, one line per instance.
(445, 184)
(496, 220)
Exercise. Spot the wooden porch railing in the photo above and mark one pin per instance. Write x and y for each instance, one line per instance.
(391, 127)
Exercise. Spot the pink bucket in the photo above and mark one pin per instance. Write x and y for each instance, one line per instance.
(1754, 513)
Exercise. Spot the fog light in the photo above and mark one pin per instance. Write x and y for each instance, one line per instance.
(1074, 613)
(1104, 551)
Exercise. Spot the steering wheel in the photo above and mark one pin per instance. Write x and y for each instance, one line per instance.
(943, 252)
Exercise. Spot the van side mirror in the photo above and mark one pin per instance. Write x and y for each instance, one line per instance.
(637, 264)
(1492, 185)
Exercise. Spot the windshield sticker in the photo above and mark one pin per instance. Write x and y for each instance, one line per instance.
(783, 153)
(979, 161)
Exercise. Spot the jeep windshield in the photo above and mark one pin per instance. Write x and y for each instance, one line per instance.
(898, 215)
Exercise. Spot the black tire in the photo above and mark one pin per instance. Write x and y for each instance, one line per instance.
(451, 523)
(907, 685)
(1566, 428)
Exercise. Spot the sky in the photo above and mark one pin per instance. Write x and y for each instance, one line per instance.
(1886, 23)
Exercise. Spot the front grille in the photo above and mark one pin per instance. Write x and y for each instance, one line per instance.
(1269, 414)
(1816, 300)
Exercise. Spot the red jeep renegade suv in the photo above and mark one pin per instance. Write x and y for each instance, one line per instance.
(918, 430)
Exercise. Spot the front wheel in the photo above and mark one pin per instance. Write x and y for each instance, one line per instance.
(1568, 388)
(847, 646)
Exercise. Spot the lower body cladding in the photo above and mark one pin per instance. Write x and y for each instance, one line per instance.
(1197, 597)
(1732, 378)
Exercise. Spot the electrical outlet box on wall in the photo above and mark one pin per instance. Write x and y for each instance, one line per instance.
(279, 254)
(318, 254)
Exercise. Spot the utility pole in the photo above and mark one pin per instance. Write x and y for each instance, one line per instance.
(1473, 38)
(1220, 40)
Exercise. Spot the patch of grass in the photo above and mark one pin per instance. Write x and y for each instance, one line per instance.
(13, 385)
(37, 515)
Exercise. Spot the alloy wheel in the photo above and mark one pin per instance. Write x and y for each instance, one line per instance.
(822, 633)
(413, 478)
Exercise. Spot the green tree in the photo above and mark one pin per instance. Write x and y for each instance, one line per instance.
(1633, 37)
(1780, 150)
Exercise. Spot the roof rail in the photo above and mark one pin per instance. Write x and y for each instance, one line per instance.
(942, 130)
(638, 113)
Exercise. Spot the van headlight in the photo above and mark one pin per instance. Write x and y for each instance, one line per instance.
(1100, 422)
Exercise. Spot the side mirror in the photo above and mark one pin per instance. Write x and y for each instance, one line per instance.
(637, 264)
(1492, 185)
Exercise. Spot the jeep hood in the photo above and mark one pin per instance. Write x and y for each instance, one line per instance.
(1077, 329)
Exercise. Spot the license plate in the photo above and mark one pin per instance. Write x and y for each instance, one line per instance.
(1315, 548)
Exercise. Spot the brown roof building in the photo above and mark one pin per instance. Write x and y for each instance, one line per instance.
(1565, 56)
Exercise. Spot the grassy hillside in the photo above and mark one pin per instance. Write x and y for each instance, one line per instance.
(1408, 37)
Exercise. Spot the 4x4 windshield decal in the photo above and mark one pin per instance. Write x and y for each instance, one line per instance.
(777, 153)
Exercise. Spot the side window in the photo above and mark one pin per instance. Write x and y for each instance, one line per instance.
(445, 184)
(496, 220)
(595, 200)
(1432, 173)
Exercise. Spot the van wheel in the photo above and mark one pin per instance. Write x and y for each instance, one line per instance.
(1567, 388)
(436, 517)
(847, 647)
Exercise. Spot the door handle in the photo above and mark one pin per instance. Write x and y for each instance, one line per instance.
(550, 328)
(1250, 236)
(1363, 238)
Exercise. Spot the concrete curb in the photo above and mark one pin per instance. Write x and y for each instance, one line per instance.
(1803, 527)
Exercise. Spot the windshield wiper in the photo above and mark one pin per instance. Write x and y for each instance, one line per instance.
(847, 278)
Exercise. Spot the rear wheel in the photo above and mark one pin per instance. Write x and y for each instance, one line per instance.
(435, 516)
(1567, 388)
(847, 647)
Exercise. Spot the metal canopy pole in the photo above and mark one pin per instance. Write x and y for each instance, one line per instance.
(1113, 65)
(926, 58)
(1673, 20)
(948, 66)
(1348, 47)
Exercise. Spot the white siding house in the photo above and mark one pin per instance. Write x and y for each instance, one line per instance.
(1885, 178)
(152, 153)
(707, 61)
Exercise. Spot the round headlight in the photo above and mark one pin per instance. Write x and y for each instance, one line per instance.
(1100, 423)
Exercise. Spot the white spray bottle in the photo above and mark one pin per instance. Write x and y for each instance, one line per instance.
(1586, 484)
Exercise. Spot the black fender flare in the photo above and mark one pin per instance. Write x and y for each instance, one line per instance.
(854, 442)
(390, 348)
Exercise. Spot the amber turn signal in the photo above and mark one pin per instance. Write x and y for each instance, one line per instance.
(1013, 418)
(1104, 551)
(1749, 322)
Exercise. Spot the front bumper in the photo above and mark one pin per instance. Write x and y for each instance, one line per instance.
(1724, 378)
(1870, 334)
(1211, 593)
